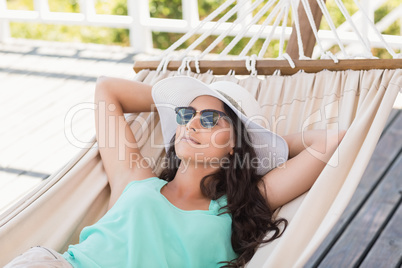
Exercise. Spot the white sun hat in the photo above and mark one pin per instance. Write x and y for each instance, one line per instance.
(271, 149)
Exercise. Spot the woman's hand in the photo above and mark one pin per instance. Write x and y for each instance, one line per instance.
(116, 141)
(309, 152)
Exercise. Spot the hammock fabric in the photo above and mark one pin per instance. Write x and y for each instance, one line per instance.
(359, 101)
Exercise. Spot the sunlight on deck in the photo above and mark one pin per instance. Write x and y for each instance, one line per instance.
(46, 95)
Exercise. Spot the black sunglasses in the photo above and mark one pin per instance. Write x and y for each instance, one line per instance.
(208, 117)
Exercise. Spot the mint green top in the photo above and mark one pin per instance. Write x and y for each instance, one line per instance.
(143, 229)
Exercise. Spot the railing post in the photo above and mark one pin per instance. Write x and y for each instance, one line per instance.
(87, 7)
(42, 6)
(190, 12)
(4, 24)
(4, 30)
(365, 28)
(140, 34)
(248, 17)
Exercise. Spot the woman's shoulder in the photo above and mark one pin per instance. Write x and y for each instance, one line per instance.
(149, 182)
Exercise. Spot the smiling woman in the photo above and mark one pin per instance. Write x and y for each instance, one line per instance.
(205, 134)
(216, 191)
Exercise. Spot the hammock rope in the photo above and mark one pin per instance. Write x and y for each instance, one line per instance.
(331, 24)
(185, 37)
(245, 29)
(277, 8)
(232, 26)
(284, 13)
(371, 23)
(295, 18)
(224, 18)
(310, 18)
(282, 39)
(278, 12)
(346, 14)
(166, 56)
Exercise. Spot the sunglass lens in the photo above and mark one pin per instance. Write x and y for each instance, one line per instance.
(209, 119)
(184, 115)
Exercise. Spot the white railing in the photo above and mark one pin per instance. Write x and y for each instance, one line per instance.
(141, 25)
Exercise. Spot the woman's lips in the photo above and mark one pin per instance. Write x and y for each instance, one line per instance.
(189, 139)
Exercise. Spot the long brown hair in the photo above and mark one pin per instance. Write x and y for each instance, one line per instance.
(251, 215)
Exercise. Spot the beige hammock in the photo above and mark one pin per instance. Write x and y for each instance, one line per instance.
(359, 101)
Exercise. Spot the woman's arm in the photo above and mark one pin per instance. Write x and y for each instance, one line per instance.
(309, 152)
(116, 142)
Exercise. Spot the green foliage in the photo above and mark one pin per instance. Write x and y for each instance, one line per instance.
(64, 6)
(20, 4)
(206, 7)
(171, 9)
(115, 7)
(85, 34)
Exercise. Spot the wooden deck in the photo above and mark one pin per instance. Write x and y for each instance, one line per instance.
(369, 232)
(40, 82)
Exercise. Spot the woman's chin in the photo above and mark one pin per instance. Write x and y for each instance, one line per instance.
(187, 149)
(186, 156)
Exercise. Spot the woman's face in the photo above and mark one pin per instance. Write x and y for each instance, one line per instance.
(198, 144)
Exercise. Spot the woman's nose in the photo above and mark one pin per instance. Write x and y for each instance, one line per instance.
(194, 123)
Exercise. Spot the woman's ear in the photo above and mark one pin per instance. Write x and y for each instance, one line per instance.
(231, 151)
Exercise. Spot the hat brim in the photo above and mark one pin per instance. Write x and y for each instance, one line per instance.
(271, 149)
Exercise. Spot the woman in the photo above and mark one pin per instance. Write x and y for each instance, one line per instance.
(212, 205)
